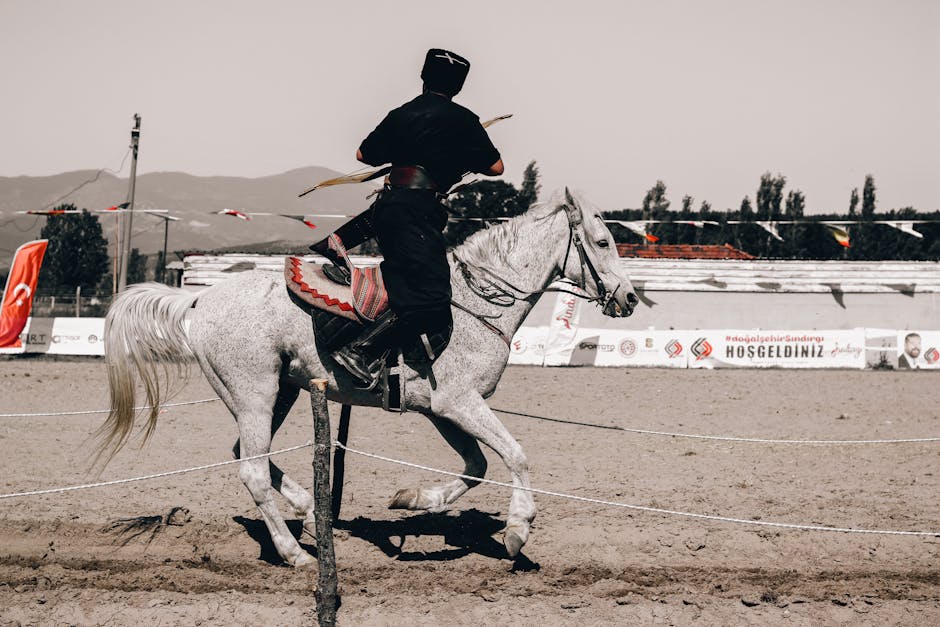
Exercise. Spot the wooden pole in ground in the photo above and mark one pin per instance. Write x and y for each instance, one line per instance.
(326, 594)
(339, 459)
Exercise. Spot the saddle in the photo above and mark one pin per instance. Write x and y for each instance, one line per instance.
(342, 301)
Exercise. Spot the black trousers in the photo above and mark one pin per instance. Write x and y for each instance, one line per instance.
(409, 227)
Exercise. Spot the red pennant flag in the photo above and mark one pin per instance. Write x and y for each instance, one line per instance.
(652, 239)
(18, 295)
(237, 214)
(300, 219)
(839, 234)
(123, 205)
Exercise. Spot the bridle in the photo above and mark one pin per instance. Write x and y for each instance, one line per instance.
(500, 296)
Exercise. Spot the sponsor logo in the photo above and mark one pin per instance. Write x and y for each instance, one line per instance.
(92, 339)
(932, 355)
(62, 339)
(591, 346)
(519, 345)
(701, 348)
(567, 313)
(36, 338)
(649, 342)
(848, 349)
(673, 349)
(628, 347)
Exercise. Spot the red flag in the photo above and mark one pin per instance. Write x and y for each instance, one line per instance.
(236, 213)
(652, 239)
(18, 294)
(123, 205)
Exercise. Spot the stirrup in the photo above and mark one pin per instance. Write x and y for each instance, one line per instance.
(337, 273)
(353, 362)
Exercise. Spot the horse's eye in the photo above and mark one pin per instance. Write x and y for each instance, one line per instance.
(603, 243)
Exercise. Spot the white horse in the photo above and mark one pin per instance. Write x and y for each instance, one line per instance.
(257, 349)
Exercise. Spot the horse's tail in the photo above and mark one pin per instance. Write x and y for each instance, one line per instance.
(143, 336)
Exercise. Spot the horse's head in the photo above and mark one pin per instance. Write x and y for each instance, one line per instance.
(591, 260)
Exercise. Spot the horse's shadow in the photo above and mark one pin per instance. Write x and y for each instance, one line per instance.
(466, 533)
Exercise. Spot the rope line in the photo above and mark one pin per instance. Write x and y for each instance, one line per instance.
(655, 510)
(695, 436)
(158, 475)
(723, 438)
(104, 411)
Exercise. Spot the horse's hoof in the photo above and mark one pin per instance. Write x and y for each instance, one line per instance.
(406, 498)
(305, 560)
(513, 540)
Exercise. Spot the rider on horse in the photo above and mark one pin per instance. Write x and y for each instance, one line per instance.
(430, 142)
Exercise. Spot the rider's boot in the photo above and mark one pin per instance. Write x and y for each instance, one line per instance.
(363, 356)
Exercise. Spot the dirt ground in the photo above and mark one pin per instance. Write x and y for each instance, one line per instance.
(124, 555)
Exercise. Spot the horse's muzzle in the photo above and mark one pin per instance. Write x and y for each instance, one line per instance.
(617, 310)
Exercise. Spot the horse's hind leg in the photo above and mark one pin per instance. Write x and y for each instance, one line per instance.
(300, 500)
(251, 399)
(468, 411)
(437, 498)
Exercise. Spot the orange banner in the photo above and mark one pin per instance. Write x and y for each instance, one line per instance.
(18, 295)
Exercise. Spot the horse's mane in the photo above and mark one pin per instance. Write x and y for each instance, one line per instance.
(496, 242)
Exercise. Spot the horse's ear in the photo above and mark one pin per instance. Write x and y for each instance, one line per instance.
(572, 208)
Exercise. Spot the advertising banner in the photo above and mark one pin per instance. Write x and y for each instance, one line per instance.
(62, 336)
(844, 348)
(613, 347)
(528, 346)
(562, 330)
(918, 350)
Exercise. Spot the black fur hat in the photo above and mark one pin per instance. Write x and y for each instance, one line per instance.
(444, 71)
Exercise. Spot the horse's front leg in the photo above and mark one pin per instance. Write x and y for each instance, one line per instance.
(437, 498)
(470, 413)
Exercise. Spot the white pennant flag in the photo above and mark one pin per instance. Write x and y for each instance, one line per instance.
(907, 226)
(770, 227)
(562, 330)
(640, 228)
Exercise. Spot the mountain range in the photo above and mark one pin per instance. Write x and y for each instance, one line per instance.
(195, 200)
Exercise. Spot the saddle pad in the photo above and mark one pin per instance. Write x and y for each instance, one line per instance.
(369, 295)
(308, 283)
(366, 299)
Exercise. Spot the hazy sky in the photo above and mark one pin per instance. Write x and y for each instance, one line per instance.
(608, 97)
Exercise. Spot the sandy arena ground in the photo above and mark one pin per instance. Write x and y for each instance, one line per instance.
(123, 555)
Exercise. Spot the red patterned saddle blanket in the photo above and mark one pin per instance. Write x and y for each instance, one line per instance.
(363, 301)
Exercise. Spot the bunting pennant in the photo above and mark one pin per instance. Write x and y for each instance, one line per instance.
(840, 234)
(123, 205)
(640, 227)
(18, 294)
(770, 227)
(300, 219)
(699, 224)
(50, 212)
(906, 226)
(233, 212)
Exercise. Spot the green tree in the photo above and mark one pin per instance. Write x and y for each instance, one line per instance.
(136, 267)
(78, 252)
(530, 189)
(483, 200)
(795, 206)
(868, 198)
(853, 203)
(656, 207)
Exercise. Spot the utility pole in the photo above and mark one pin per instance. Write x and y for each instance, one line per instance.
(166, 231)
(129, 222)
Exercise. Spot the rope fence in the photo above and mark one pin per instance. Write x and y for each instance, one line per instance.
(572, 497)
(671, 434)
(720, 438)
(105, 411)
(641, 508)
(170, 473)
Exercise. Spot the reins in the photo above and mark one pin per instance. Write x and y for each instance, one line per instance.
(502, 297)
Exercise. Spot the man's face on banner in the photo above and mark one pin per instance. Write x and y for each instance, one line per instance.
(912, 345)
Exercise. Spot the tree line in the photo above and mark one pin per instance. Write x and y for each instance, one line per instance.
(77, 255)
